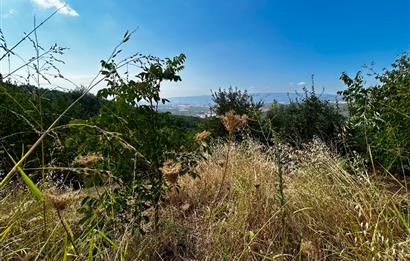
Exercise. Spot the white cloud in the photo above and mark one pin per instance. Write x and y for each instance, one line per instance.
(9, 14)
(12, 12)
(65, 9)
(301, 83)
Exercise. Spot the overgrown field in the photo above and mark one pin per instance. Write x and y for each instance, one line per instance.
(109, 177)
(322, 212)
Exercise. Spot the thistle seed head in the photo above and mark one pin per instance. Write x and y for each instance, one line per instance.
(201, 136)
(232, 121)
(171, 170)
(60, 202)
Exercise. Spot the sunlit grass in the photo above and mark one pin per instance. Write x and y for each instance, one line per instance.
(329, 214)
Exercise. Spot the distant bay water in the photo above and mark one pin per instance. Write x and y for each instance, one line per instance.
(199, 105)
(280, 97)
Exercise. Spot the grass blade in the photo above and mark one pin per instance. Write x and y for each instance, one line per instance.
(30, 184)
(107, 238)
(5, 232)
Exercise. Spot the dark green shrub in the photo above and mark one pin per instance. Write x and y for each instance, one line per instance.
(301, 120)
(379, 115)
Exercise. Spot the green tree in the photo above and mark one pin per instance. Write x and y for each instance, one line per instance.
(240, 102)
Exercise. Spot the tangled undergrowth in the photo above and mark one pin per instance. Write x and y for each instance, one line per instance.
(322, 212)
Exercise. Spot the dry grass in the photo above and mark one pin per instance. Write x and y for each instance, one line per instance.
(328, 214)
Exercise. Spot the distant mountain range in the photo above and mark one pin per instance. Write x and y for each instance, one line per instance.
(281, 97)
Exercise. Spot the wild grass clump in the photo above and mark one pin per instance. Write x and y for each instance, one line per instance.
(327, 213)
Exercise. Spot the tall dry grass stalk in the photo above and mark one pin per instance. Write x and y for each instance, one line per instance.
(231, 122)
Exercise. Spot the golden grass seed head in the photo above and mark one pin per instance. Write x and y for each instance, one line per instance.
(87, 160)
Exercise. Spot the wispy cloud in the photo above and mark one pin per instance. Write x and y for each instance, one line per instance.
(301, 83)
(65, 9)
(12, 12)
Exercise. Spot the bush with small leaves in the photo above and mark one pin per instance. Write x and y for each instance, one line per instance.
(302, 120)
(379, 115)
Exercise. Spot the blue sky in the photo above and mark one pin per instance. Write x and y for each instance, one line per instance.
(260, 45)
